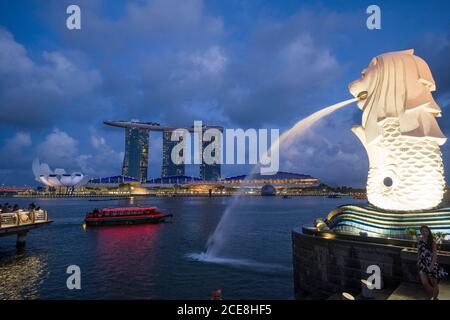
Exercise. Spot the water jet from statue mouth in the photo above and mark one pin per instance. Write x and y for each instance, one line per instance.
(218, 239)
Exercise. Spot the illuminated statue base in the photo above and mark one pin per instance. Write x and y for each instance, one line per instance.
(375, 222)
(335, 254)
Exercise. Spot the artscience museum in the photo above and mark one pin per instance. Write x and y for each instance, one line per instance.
(57, 178)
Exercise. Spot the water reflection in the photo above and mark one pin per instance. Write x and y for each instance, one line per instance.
(152, 261)
(124, 253)
(21, 275)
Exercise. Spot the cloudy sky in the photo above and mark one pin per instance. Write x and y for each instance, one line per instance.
(240, 64)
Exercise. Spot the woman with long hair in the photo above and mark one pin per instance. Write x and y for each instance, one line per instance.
(429, 271)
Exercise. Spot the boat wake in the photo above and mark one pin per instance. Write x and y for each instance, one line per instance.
(239, 263)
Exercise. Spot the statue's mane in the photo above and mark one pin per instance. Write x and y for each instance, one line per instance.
(401, 88)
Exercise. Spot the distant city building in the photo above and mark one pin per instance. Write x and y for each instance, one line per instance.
(209, 172)
(8, 191)
(280, 179)
(282, 183)
(172, 180)
(56, 178)
(168, 167)
(135, 162)
(113, 180)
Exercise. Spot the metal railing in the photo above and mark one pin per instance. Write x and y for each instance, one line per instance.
(22, 217)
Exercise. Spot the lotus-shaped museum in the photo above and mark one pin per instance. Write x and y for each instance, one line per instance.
(58, 177)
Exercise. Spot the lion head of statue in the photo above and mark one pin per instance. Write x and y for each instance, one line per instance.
(397, 85)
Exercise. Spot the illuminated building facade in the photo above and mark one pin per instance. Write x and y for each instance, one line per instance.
(209, 172)
(135, 162)
(168, 167)
(278, 180)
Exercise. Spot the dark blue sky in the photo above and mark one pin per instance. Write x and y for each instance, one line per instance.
(241, 64)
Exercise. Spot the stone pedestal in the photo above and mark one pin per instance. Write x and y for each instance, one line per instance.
(328, 263)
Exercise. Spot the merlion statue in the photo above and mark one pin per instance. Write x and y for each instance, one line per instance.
(400, 133)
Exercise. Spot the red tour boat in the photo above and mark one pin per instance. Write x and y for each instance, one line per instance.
(116, 216)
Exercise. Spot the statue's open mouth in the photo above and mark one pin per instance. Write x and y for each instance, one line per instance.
(363, 95)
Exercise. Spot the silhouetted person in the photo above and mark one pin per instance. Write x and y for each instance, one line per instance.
(216, 294)
(5, 207)
(15, 208)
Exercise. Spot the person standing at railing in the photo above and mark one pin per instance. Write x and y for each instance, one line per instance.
(32, 215)
(32, 212)
(5, 208)
(31, 206)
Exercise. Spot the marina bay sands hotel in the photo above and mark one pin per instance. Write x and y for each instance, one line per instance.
(135, 162)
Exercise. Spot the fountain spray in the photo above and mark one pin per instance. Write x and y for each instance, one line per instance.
(217, 240)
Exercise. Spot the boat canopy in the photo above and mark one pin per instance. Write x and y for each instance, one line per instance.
(127, 209)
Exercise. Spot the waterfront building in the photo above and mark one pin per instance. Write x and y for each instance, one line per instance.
(169, 168)
(172, 180)
(58, 178)
(135, 162)
(282, 182)
(209, 172)
(279, 180)
(113, 180)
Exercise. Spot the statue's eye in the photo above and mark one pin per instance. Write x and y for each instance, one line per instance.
(363, 73)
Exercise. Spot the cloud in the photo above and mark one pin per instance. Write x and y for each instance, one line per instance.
(101, 159)
(277, 80)
(178, 61)
(12, 151)
(332, 154)
(435, 49)
(104, 160)
(38, 94)
(60, 150)
(212, 62)
(175, 62)
(15, 159)
(16, 144)
(165, 22)
(167, 61)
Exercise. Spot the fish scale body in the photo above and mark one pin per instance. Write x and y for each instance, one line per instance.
(415, 167)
